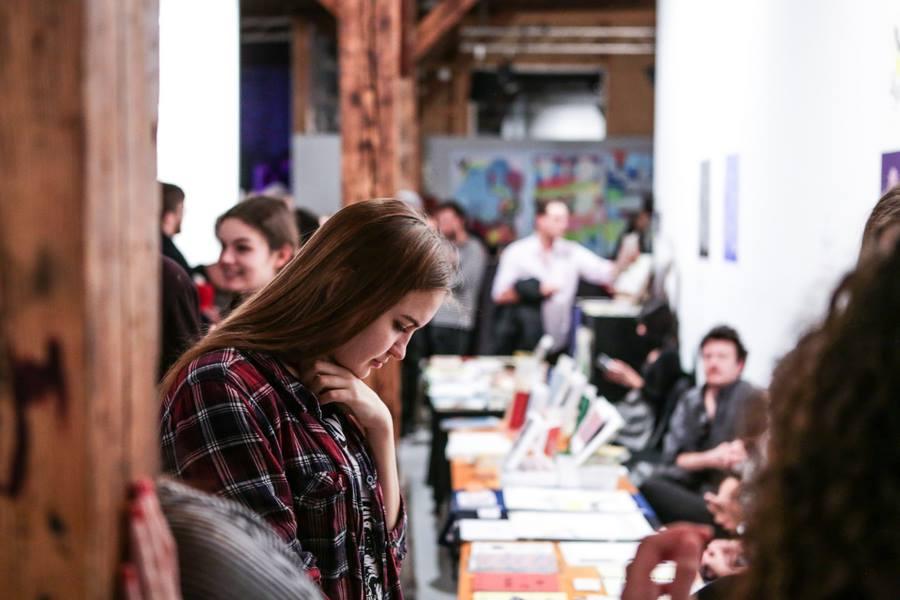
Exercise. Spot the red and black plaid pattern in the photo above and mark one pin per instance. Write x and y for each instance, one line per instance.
(240, 425)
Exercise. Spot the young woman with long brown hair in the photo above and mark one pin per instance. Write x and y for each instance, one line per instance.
(270, 408)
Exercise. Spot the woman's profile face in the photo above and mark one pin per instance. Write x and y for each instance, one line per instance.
(387, 336)
(247, 262)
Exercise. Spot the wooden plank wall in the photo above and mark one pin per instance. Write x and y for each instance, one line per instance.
(79, 277)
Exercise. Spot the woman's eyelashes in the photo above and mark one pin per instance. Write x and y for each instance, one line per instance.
(401, 328)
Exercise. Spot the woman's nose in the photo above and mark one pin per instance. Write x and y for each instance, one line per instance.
(398, 350)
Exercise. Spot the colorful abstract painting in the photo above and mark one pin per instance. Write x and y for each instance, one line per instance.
(492, 190)
(603, 190)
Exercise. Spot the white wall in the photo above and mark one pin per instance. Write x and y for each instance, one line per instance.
(801, 92)
(199, 127)
(316, 172)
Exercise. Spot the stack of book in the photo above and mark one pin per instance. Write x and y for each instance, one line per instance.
(502, 571)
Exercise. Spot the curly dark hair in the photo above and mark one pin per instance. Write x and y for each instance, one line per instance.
(826, 519)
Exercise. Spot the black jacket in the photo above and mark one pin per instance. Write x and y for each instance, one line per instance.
(519, 326)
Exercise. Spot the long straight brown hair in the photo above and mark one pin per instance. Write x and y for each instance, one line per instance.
(358, 265)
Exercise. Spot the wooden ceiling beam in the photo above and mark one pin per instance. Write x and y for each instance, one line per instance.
(437, 23)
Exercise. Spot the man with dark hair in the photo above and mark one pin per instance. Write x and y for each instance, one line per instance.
(170, 222)
(537, 279)
(701, 446)
(450, 331)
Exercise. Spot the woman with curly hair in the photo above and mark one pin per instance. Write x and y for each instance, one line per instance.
(826, 522)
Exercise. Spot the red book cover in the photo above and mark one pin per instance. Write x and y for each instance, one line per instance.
(552, 444)
(515, 582)
(518, 411)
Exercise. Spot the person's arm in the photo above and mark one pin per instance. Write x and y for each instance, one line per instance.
(381, 439)
(724, 457)
(623, 374)
(333, 383)
(697, 461)
(502, 290)
(213, 439)
(593, 268)
(472, 276)
(676, 437)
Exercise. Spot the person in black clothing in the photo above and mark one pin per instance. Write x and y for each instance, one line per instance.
(170, 222)
(645, 403)
(701, 446)
(307, 223)
(180, 314)
(639, 224)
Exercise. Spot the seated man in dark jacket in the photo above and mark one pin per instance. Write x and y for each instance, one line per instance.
(701, 445)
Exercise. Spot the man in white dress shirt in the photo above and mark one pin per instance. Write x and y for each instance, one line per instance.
(556, 264)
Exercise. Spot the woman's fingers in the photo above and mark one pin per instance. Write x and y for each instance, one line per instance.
(142, 550)
(321, 382)
(154, 556)
(336, 395)
(163, 543)
(131, 583)
(683, 544)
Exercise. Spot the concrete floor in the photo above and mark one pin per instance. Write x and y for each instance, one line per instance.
(430, 563)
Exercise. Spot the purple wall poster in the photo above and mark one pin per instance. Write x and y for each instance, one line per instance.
(890, 170)
(731, 207)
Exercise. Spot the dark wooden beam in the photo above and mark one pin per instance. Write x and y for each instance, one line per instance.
(408, 135)
(369, 54)
(369, 48)
(302, 109)
(437, 23)
(79, 288)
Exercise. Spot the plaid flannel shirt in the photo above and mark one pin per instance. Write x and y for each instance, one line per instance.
(239, 424)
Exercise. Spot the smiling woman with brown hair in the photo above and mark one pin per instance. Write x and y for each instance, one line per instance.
(270, 408)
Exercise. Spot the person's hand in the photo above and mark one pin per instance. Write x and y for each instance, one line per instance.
(621, 373)
(726, 456)
(548, 289)
(332, 383)
(735, 455)
(724, 505)
(152, 573)
(510, 296)
(682, 543)
(215, 276)
(721, 558)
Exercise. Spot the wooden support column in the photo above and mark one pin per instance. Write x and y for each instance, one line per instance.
(409, 175)
(79, 277)
(369, 47)
(303, 113)
(369, 51)
(462, 87)
(629, 96)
